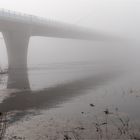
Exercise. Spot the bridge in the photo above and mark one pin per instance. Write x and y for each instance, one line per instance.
(17, 28)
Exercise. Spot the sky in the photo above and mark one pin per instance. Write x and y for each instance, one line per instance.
(114, 17)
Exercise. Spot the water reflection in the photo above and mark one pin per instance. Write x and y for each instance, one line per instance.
(25, 100)
(18, 79)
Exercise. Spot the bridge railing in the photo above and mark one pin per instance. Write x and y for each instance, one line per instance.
(23, 17)
(16, 15)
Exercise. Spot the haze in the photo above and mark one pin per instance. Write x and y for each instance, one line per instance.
(72, 88)
(119, 18)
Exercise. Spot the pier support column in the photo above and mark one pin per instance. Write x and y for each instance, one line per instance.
(17, 47)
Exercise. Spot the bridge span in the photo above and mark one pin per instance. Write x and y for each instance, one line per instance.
(17, 28)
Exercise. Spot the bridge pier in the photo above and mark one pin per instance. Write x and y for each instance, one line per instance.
(17, 47)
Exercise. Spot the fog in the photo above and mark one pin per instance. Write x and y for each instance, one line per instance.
(52, 99)
(119, 18)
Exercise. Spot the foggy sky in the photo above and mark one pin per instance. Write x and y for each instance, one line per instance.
(116, 17)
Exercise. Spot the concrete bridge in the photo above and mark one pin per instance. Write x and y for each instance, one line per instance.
(17, 28)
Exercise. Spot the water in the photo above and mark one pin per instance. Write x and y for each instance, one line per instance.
(53, 100)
